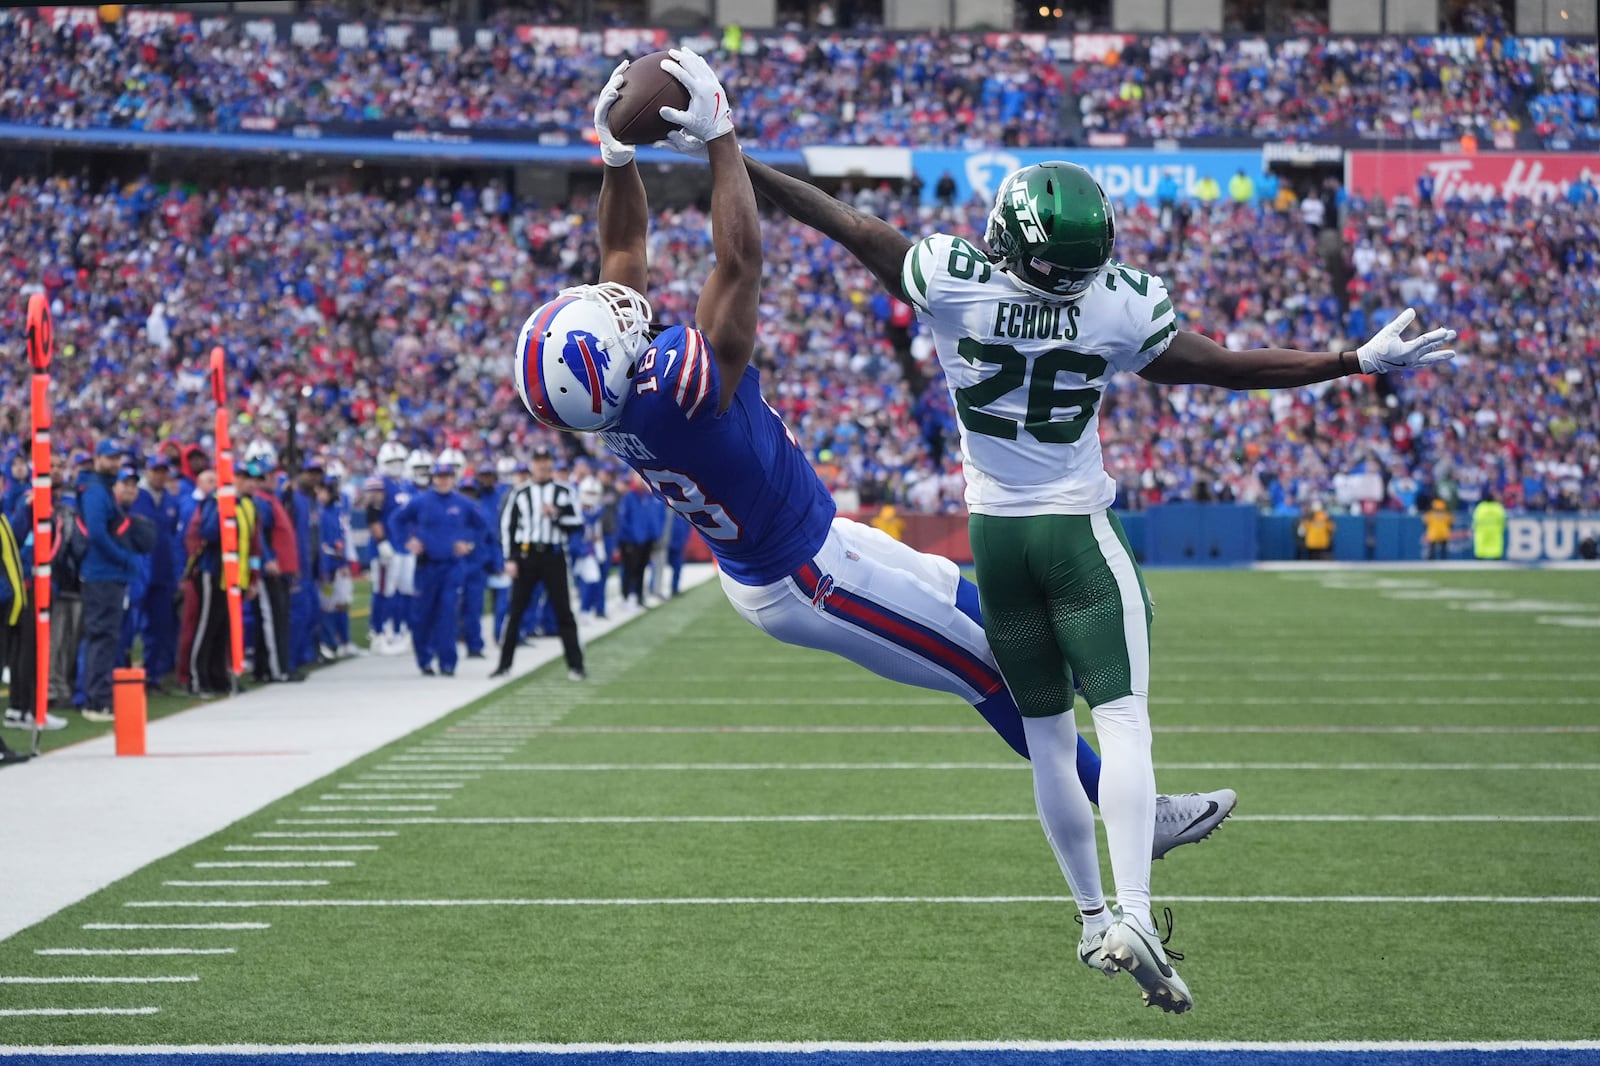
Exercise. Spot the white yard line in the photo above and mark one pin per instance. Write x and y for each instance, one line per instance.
(409, 773)
(271, 865)
(461, 749)
(391, 784)
(1101, 1048)
(385, 797)
(301, 847)
(167, 980)
(230, 926)
(301, 883)
(68, 1012)
(135, 951)
(370, 807)
(838, 901)
(362, 833)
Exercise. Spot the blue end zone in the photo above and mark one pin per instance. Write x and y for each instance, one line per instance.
(1187, 1057)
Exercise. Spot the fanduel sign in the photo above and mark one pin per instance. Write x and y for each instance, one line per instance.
(1482, 176)
(1124, 174)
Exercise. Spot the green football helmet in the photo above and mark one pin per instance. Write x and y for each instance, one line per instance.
(1052, 227)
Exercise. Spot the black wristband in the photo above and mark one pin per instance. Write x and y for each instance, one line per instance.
(1342, 370)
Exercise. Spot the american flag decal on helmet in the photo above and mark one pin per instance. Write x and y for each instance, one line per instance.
(1041, 266)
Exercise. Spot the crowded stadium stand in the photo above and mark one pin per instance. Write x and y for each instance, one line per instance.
(362, 212)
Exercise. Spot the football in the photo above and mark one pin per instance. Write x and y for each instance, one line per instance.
(646, 89)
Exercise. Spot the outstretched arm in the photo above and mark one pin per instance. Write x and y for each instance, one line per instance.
(730, 302)
(624, 221)
(1194, 359)
(879, 246)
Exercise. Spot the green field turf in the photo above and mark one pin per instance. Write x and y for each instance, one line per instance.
(1464, 703)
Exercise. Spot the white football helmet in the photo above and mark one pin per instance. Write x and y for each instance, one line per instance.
(261, 451)
(392, 459)
(577, 354)
(420, 463)
(505, 466)
(455, 457)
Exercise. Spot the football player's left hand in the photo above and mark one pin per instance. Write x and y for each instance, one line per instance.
(709, 115)
(684, 144)
(612, 151)
(1387, 351)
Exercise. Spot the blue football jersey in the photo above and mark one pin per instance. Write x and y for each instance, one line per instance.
(740, 477)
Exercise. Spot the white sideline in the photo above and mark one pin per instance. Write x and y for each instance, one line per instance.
(83, 818)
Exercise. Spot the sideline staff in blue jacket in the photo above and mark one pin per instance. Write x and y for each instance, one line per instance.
(441, 527)
(107, 570)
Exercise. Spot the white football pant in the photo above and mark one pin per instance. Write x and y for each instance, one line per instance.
(882, 605)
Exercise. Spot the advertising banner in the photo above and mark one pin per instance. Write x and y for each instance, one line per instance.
(1548, 538)
(1480, 176)
(1126, 174)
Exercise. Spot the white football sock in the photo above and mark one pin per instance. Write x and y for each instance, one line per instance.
(1064, 808)
(1127, 799)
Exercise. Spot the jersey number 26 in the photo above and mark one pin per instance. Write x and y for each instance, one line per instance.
(1054, 415)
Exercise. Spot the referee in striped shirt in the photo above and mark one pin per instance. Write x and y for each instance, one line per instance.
(537, 518)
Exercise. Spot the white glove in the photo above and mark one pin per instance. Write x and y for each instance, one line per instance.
(385, 551)
(684, 144)
(709, 116)
(613, 151)
(1386, 351)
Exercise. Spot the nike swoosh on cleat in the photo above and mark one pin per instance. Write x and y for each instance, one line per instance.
(1211, 808)
(1155, 952)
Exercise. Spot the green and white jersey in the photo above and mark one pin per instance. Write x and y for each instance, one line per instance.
(1027, 374)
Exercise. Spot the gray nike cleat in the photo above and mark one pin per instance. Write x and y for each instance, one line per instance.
(1189, 818)
(1091, 949)
(1139, 951)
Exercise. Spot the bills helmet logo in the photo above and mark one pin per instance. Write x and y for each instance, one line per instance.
(819, 598)
(589, 363)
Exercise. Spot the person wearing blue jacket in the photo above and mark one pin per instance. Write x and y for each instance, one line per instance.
(159, 614)
(108, 569)
(676, 545)
(483, 561)
(332, 575)
(641, 516)
(440, 528)
(304, 611)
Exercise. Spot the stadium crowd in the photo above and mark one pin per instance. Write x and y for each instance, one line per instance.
(861, 87)
(1405, 88)
(365, 318)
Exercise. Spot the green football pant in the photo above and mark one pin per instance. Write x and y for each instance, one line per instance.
(1062, 597)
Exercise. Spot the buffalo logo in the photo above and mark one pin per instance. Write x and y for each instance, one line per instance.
(589, 362)
(819, 598)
